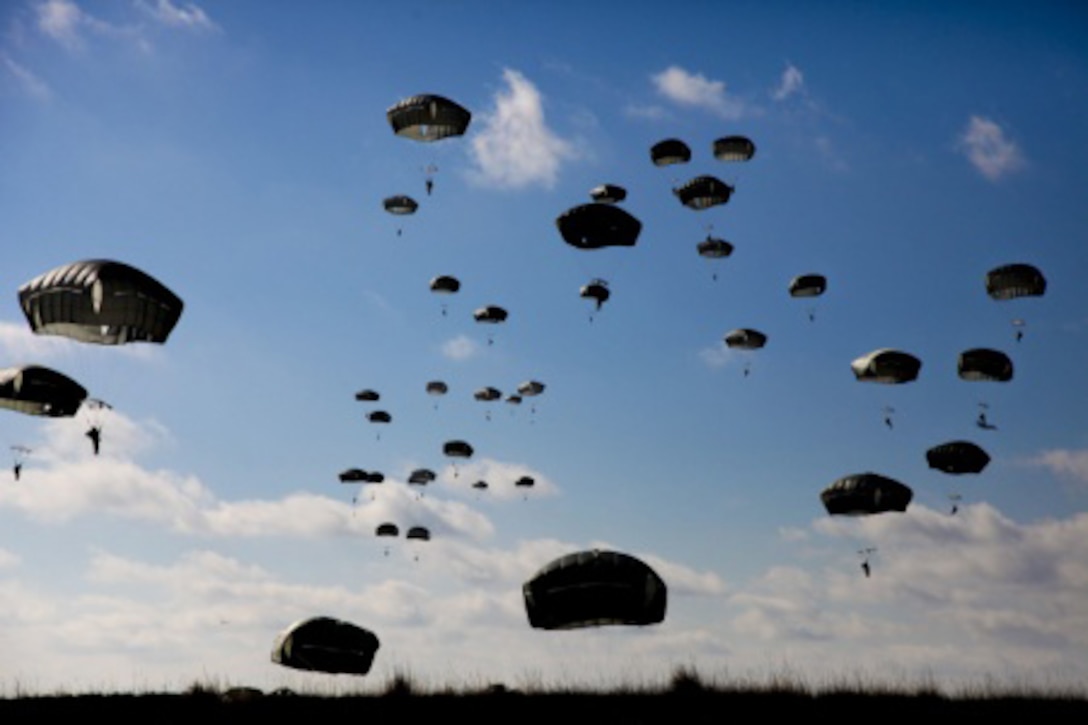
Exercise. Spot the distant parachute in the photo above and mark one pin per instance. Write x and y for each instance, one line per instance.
(670, 151)
(984, 364)
(480, 485)
(325, 644)
(608, 194)
(714, 248)
(379, 416)
(525, 482)
(596, 225)
(38, 390)
(957, 457)
(745, 339)
(487, 393)
(368, 395)
(1010, 281)
(596, 290)
(457, 449)
(354, 475)
(421, 477)
(886, 366)
(421, 533)
(531, 387)
(808, 285)
(862, 494)
(734, 148)
(594, 588)
(428, 117)
(703, 192)
(100, 301)
(445, 285)
(400, 204)
(490, 315)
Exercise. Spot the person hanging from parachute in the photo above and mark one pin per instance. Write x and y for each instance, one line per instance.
(20, 453)
(429, 170)
(981, 421)
(95, 434)
(94, 422)
(865, 566)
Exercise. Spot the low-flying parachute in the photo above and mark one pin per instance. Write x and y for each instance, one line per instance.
(480, 485)
(487, 394)
(326, 644)
(100, 301)
(861, 494)
(1010, 281)
(957, 457)
(428, 117)
(670, 151)
(592, 589)
(703, 192)
(887, 366)
(984, 364)
(734, 148)
(38, 390)
(595, 226)
(608, 194)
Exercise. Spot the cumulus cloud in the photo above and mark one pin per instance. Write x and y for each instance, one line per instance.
(1073, 464)
(697, 91)
(516, 148)
(792, 82)
(987, 148)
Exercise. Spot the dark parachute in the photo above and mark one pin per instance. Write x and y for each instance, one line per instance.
(530, 388)
(984, 364)
(670, 151)
(421, 477)
(957, 457)
(400, 204)
(808, 285)
(379, 416)
(703, 192)
(100, 301)
(445, 284)
(325, 644)
(734, 148)
(428, 117)
(597, 290)
(354, 475)
(1010, 281)
(457, 449)
(714, 248)
(608, 194)
(437, 387)
(421, 533)
(387, 529)
(592, 589)
(487, 394)
(492, 314)
(596, 225)
(886, 366)
(368, 395)
(38, 390)
(862, 494)
(745, 339)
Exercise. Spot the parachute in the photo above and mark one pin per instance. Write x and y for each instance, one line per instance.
(487, 394)
(354, 475)
(734, 148)
(608, 194)
(594, 588)
(421, 533)
(808, 285)
(886, 366)
(531, 387)
(984, 364)
(457, 449)
(400, 205)
(421, 477)
(445, 283)
(596, 290)
(957, 457)
(368, 395)
(387, 529)
(1010, 281)
(862, 494)
(38, 390)
(428, 117)
(596, 225)
(525, 482)
(100, 301)
(491, 314)
(325, 644)
(703, 192)
(714, 248)
(745, 339)
(379, 416)
(670, 151)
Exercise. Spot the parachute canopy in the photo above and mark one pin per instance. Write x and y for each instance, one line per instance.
(886, 366)
(325, 644)
(594, 225)
(492, 314)
(865, 493)
(714, 248)
(670, 151)
(531, 387)
(594, 588)
(808, 285)
(608, 193)
(387, 529)
(421, 477)
(1010, 281)
(38, 390)
(100, 301)
(445, 283)
(368, 395)
(428, 117)
(703, 192)
(421, 533)
(354, 475)
(379, 416)
(957, 457)
(525, 482)
(984, 364)
(487, 393)
(400, 204)
(734, 148)
(597, 290)
(437, 387)
(457, 449)
(745, 339)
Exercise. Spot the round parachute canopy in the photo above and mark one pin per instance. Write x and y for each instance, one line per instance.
(421, 477)
(421, 533)
(513, 399)
(808, 285)
(325, 644)
(608, 194)
(1010, 281)
(387, 529)
(375, 477)
(354, 475)
(592, 589)
(886, 366)
(734, 148)
(714, 248)
(985, 364)
(957, 457)
(445, 284)
(368, 395)
(379, 416)
(861, 494)
(37, 390)
(487, 393)
(531, 387)
(100, 301)
(593, 226)
(400, 204)
(596, 290)
(437, 387)
(480, 485)
(670, 151)
(428, 117)
(703, 192)
(745, 339)
(457, 449)
(492, 314)
(525, 482)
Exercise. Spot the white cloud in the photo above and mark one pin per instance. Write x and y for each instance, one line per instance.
(459, 348)
(1073, 464)
(516, 149)
(988, 150)
(33, 85)
(792, 82)
(190, 17)
(697, 91)
(61, 20)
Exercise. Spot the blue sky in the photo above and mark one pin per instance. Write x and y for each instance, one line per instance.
(239, 152)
